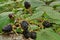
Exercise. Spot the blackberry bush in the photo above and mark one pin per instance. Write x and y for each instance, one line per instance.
(29, 18)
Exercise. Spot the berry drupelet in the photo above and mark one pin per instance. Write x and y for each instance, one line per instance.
(27, 5)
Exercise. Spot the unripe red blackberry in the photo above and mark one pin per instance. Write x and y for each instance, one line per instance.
(11, 16)
(7, 28)
(46, 24)
(26, 34)
(27, 5)
(33, 35)
(24, 25)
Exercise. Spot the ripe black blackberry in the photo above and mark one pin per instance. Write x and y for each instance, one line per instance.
(24, 25)
(11, 16)
(27, 5)
(26, 34)
(47, 24)
(33, 35)
(7, 28)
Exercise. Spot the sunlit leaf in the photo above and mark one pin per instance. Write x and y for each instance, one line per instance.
(33, 27)
(50, 12)
(36, 3)
(47, 34)
(56, 3)
(6, 3)
(35, 15)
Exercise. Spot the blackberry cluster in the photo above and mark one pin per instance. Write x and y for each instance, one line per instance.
(26, 32)
(24, 26)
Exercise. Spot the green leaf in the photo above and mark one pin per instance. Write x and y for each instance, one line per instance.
(53, 14)
(34, 22)
(37, 14)
(54, 21)
(6, 3)
(36, 3)
(33, 27)
(19, 30)
(58, 8)
(44, 8)
(25, 15)
(50, 12)
(58, 30)
(4, 20)
(3, 0)
(56, 3)
(46, 0)
(47, 34)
